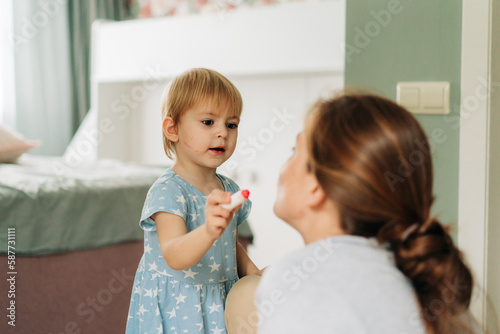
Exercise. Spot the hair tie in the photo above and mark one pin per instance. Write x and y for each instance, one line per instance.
(409, 230)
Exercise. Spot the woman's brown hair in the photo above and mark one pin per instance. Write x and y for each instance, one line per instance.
(372, 158)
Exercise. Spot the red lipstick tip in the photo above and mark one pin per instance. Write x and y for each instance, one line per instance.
(245, 193)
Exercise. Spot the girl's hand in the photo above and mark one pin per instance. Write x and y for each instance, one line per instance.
(218, 218)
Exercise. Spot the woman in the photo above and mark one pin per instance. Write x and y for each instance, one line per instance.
(358, 188)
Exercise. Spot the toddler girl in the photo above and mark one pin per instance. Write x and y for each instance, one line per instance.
(191, 257)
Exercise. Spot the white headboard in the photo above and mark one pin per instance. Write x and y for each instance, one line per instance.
(281, 58)
(296, 37)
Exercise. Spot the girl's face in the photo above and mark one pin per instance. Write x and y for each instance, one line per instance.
(293, 184)
(207, 136)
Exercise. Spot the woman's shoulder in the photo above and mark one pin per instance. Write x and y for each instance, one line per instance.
(345, 258)
(340, 278)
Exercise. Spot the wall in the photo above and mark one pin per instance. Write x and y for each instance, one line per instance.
(388, 41)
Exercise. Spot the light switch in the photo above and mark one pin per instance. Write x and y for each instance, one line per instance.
(424, 97)
(409, 97)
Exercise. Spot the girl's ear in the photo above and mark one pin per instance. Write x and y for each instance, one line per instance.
(170, 129)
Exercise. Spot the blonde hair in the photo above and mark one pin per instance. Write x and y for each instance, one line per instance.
(195, 86)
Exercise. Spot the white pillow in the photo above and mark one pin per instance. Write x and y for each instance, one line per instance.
(13, 144)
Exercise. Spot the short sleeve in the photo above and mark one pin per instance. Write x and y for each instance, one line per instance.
(164, 195)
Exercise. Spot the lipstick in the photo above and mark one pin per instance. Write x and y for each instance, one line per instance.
(236, 199)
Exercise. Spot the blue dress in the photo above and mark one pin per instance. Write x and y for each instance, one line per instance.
(165, 300)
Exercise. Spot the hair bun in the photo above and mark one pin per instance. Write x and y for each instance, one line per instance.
(429, 258)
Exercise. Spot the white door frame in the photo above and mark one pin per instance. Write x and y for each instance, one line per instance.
(478, 161)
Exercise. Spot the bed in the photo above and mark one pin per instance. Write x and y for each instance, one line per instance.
(77, 242)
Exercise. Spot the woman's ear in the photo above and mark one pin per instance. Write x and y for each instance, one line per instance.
(170, 129)
(317, 195)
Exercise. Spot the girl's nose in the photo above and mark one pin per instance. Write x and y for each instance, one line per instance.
(222, 132)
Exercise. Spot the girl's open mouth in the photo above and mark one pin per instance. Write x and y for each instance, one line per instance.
(217, 150)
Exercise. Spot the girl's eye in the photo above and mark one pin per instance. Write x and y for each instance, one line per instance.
(208, 122)
(232, 125)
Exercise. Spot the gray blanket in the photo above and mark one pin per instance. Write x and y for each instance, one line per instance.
(55, 208)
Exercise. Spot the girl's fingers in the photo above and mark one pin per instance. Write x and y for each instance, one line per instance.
(218, 225)
(218, 211)
(217, 197)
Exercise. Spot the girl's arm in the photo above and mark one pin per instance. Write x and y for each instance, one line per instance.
(181, 249)
(245, 264)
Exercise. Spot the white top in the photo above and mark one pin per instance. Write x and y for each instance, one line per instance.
(342, 284)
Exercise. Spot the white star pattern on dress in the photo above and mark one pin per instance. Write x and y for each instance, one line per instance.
(153, 266)
(198, 307)
(210, 277)
(164, 273)
(180, 299)
(189, 273)
(149, 293)
(217, 330)
(214, 308)
(201, 325)
(142, 310)
(181, 199)
(172, 313)
(214, 267)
